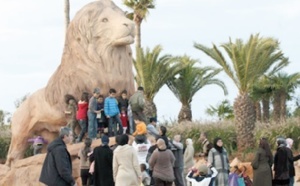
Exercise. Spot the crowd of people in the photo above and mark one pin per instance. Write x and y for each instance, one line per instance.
(118, 115)
(152, 158)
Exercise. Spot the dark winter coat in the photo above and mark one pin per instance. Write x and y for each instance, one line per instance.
(103, 174)
(291, 162)
(262, 169)
(123, 103)
(281, 166)
(57, 167)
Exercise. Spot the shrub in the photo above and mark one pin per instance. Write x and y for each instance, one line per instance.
(224, 130)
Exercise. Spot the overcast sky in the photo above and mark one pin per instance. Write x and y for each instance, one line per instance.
(32, 36)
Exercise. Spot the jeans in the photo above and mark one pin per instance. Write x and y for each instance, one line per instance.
(292, 180)
(131, 124)
(112, 125)
(92, 129)
(82, 123)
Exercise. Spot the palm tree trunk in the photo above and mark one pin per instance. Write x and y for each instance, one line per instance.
(244, 119)
(282, 107)
(138, 41)
(276, 107)
(185, 113)
(150, 109)
(266, 109)
(258, 111)
(67, 14)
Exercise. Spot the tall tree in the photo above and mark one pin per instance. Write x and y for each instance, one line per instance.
(284, 84)
(189, 81)
(67, 14)
(262, 90)
(140, 11)
(152, 72)
(249, 61)
(223, 110)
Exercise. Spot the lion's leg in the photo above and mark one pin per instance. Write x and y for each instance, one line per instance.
(18, 145)
(21, 129)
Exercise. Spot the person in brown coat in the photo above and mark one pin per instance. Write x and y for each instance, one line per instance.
(161, 162)
(262, 164)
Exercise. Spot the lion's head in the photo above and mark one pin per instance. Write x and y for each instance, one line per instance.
(96, 53)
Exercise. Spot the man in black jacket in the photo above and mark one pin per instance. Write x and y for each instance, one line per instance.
(57, 167)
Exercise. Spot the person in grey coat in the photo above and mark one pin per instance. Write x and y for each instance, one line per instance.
(218, 158)
(177, 150)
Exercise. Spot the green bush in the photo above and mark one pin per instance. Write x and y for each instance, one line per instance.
(224, 130)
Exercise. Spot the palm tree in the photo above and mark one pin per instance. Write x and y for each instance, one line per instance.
(262, 90)
(67, 14)
(140, 11)
(152, 72)
(250, 60)
(223, 110)
(189, 80)
(284, 86)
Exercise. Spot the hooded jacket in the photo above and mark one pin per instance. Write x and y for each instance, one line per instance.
(57, 167)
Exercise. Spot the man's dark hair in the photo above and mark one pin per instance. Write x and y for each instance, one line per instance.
(64, 131)
(163, 130)
(153, 119)
(141, 88)
(100, 96)
(124, 92)
(123, 139)
(112, 90)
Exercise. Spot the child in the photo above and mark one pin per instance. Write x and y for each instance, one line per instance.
(112, 113)
(124, 119)
(145, 176)
(84, 161)
(101, 117)
(71, 112)
(201, 177)
(141, 130)
(38, 143)
(81, 115)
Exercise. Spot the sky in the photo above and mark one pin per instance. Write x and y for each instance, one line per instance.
(32, 38)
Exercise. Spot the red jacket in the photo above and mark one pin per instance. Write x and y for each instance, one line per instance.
(82, 110)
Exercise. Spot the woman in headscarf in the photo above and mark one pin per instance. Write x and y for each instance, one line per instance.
(161, 162)
(126, 168)
(281, 164)
(188, 156)
(218, 158)
(262, 164)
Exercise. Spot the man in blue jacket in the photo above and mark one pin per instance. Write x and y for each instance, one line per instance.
(57, 167)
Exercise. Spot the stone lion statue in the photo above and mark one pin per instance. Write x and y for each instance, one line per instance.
(96, 54)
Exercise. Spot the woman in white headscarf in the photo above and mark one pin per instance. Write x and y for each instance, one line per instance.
(188, 156)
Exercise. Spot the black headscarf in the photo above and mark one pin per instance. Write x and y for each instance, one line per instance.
(218, 148)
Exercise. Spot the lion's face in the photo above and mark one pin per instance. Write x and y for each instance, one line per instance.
(113, 28)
